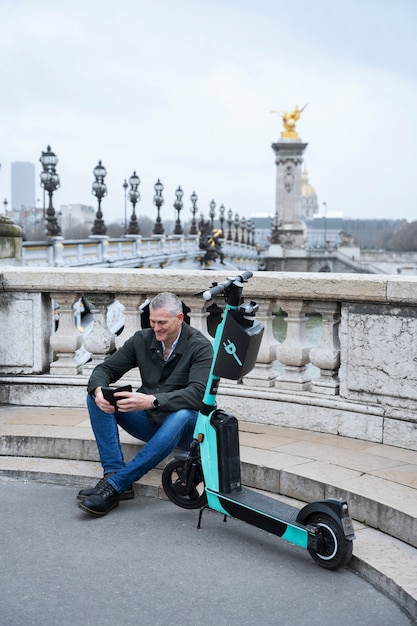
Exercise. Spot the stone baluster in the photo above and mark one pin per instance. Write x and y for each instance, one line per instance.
(100, 342)
(198, 314)
(326, 355)
(132, 313)
(262, 374)
(66, 340)
(294, 350)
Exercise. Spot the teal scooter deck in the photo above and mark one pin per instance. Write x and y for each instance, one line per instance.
(260, 510)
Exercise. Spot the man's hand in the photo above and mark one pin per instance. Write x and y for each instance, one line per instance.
(102, 403)
(133, 401)
(126, 401)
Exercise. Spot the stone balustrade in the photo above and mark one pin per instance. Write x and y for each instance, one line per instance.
(134, 251)
(359, 379)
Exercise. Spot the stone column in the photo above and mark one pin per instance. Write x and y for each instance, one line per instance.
(289, 229)
(262, 374)
(66, 340)
(100, 342)
(326, 355)
(294, 350)
(132, 314)
(198, 314)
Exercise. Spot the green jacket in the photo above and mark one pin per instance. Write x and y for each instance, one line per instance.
(178, 383)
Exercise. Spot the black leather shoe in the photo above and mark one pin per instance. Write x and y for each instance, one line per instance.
(101, 502)
(92, 491)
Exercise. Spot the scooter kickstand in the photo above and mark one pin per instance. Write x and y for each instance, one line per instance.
(201, 515)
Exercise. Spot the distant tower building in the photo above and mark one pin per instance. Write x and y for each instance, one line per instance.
(309, 202)
(288, 230)
(23, 186)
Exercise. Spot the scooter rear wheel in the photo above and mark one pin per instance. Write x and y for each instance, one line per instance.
(186, 496)
(333, 549)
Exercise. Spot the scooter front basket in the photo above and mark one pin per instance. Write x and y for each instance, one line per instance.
(239, 346)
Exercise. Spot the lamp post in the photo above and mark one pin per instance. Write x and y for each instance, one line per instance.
(158, 201)
(212, 213)
(248, 231)
(222, 212)
(125, 187)
(325, 224)
(134, 197)
(194, 209)
(5, 203)
(253, 233)
(178, 204)
(201, 223)
(242, 226)
(229, 223)
(99, 190)
(237, 222)
(50, 183)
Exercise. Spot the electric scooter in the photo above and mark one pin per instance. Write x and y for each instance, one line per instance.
(208, 475)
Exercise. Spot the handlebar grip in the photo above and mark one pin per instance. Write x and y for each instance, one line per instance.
(208, 294)
(246, 275)
(216, 290)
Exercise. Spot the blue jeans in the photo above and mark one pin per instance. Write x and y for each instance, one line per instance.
(176, 432)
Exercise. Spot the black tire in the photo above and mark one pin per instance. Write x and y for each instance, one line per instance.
(177, 493)
(333, 549)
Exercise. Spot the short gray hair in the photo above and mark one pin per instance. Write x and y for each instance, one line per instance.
(167, 300)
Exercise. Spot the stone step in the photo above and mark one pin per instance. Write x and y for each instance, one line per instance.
(72, 473)
(381, 504)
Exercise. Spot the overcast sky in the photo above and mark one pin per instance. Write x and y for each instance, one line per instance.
(183, 90)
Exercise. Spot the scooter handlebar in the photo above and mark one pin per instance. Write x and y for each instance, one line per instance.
(221, 287)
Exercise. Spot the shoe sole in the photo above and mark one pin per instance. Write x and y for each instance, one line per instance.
(98, 513)
(126, 495)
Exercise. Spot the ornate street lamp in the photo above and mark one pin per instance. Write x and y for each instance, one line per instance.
(248, 231)
(253, 233)
(50, 183)
(201, 223)
(275, 229)
(222, 211)
(194, 209)
(125, 187)
(229, 223)
(158, 201)
(178, 204)
(237, 222)
(212, 213)
(99, 190)
(243, 227)
(134, 197)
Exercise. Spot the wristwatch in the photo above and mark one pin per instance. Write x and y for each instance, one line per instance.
(155, 403)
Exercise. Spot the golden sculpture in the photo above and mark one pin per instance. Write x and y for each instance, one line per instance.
(289, 118)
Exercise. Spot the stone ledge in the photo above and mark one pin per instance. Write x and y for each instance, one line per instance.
(307, 411)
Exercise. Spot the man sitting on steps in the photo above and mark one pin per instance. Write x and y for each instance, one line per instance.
(174, 361)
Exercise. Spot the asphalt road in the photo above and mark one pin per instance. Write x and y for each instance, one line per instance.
(146, 563)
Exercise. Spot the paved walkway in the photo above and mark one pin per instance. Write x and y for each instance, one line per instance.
(147, 564)
(380, 482)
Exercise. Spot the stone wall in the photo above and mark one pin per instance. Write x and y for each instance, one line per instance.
(365, 360)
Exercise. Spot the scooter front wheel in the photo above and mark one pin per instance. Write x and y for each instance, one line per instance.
(186, 493)
(332, 549)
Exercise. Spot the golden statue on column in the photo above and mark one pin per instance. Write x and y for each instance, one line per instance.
(289, 119)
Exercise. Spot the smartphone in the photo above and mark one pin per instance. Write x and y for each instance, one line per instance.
(108, 393)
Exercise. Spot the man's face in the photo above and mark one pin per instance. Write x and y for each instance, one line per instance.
(165, 325)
